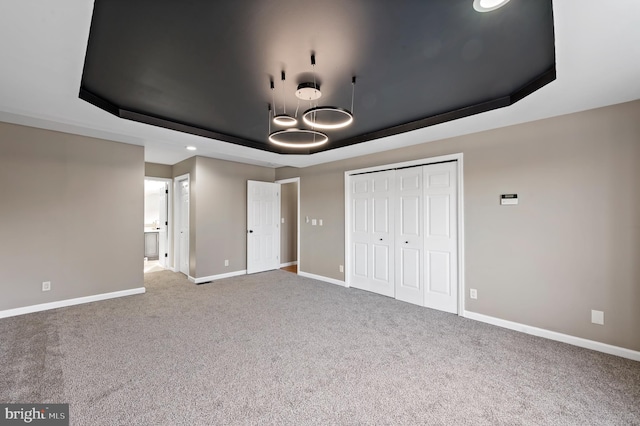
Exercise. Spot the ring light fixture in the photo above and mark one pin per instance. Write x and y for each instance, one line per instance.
(316, 117)
(298, 138)
(322, 117)
(283, 119)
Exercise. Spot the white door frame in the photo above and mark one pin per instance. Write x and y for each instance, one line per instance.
(169, 242)
(295, 180)
(424, 161)
(176, 228)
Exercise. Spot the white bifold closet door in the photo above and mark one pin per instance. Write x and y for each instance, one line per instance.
(441, 237)
(404, 234)
(372, 238)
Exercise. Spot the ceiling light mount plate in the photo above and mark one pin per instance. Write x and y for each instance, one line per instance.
(488, 5)
(327, 117)
(308, 91)
(298, 138)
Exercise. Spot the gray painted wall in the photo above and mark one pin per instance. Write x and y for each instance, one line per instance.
(573, 243)
(289, 229)
(71, 213)
(218, 212)
(158, 170)
(221, 214)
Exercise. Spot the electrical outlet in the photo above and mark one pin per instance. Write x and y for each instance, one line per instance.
(597, 317)
(46, 285)
(341, 268)
(314, 222)
(283, 220)
(226, 262)
(473, 293)
(320, 222)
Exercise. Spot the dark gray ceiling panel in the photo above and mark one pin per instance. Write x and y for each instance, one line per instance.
(204, 67)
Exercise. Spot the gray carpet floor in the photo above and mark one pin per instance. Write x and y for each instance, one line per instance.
(275, 348)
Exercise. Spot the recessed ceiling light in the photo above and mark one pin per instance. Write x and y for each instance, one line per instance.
(488, 5)
(191, 148)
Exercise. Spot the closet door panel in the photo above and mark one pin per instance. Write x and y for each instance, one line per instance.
(372, 232)
(360, 187)
(382, 235)
(409, 235)
(441, 239)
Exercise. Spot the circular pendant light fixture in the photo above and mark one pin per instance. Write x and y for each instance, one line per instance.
(298, 138)
(316, 117)
(283, 119)
(327, 117)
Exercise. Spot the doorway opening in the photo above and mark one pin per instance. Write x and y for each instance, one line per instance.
(156, 224)
(290, 224)
(181, 252)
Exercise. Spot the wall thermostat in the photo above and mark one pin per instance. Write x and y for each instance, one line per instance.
(508, 199)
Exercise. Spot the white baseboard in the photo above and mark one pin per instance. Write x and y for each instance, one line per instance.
(321, 278)
(283, 265)
(553, 335)
(69, 302)
(217, 277)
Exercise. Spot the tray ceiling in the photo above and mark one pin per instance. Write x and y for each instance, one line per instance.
(204, 67)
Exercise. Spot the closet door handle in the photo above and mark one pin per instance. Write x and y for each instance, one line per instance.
(380, 239)
(406, 242)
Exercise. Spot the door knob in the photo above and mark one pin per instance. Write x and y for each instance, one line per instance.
(380, 239)
(406, 242)
(251, 231)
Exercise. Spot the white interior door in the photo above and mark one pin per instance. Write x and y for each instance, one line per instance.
(183, 226)
(263, 226)
(409, 235)
(163, 224)
(372, 238)
(441, 236)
